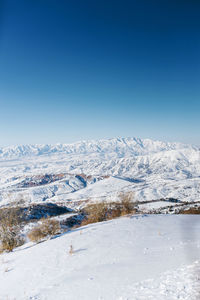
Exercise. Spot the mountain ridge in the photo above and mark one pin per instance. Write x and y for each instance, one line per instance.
(131, 145)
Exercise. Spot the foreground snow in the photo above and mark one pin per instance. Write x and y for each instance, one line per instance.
(141, 257)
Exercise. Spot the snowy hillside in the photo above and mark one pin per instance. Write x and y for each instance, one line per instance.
(136, 258)
(153, 170)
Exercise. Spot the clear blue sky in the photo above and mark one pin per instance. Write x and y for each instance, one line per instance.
(73, 70)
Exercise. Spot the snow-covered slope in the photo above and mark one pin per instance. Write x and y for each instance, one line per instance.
(152, 169)
(136, 258)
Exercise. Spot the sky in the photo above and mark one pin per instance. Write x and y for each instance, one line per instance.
(81, 70)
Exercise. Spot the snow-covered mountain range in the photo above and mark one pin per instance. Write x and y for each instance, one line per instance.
(99, 170)
(121, 146)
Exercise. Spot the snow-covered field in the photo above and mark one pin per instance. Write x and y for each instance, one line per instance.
(96, 170)
(138, 257)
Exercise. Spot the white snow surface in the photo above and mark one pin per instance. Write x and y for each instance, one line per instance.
(151, 169)
(136, 258)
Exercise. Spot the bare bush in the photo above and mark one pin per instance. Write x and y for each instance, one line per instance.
(98, 212)
(10, 242)
(50, 227)
(36, 234)
(127, 204)
(10, 229)
(115, 210)
(46, 229)
(95, 212)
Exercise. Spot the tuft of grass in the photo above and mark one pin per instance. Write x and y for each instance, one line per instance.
(71, 249)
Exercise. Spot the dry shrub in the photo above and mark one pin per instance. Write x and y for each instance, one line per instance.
(190, 211)
(127, 204)
(50, 227)
(123, 207)
(46, 229)
(98, 212)
(10, 229)
(11, 242)
(95, 212)
(36, 234)
(115, 210)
